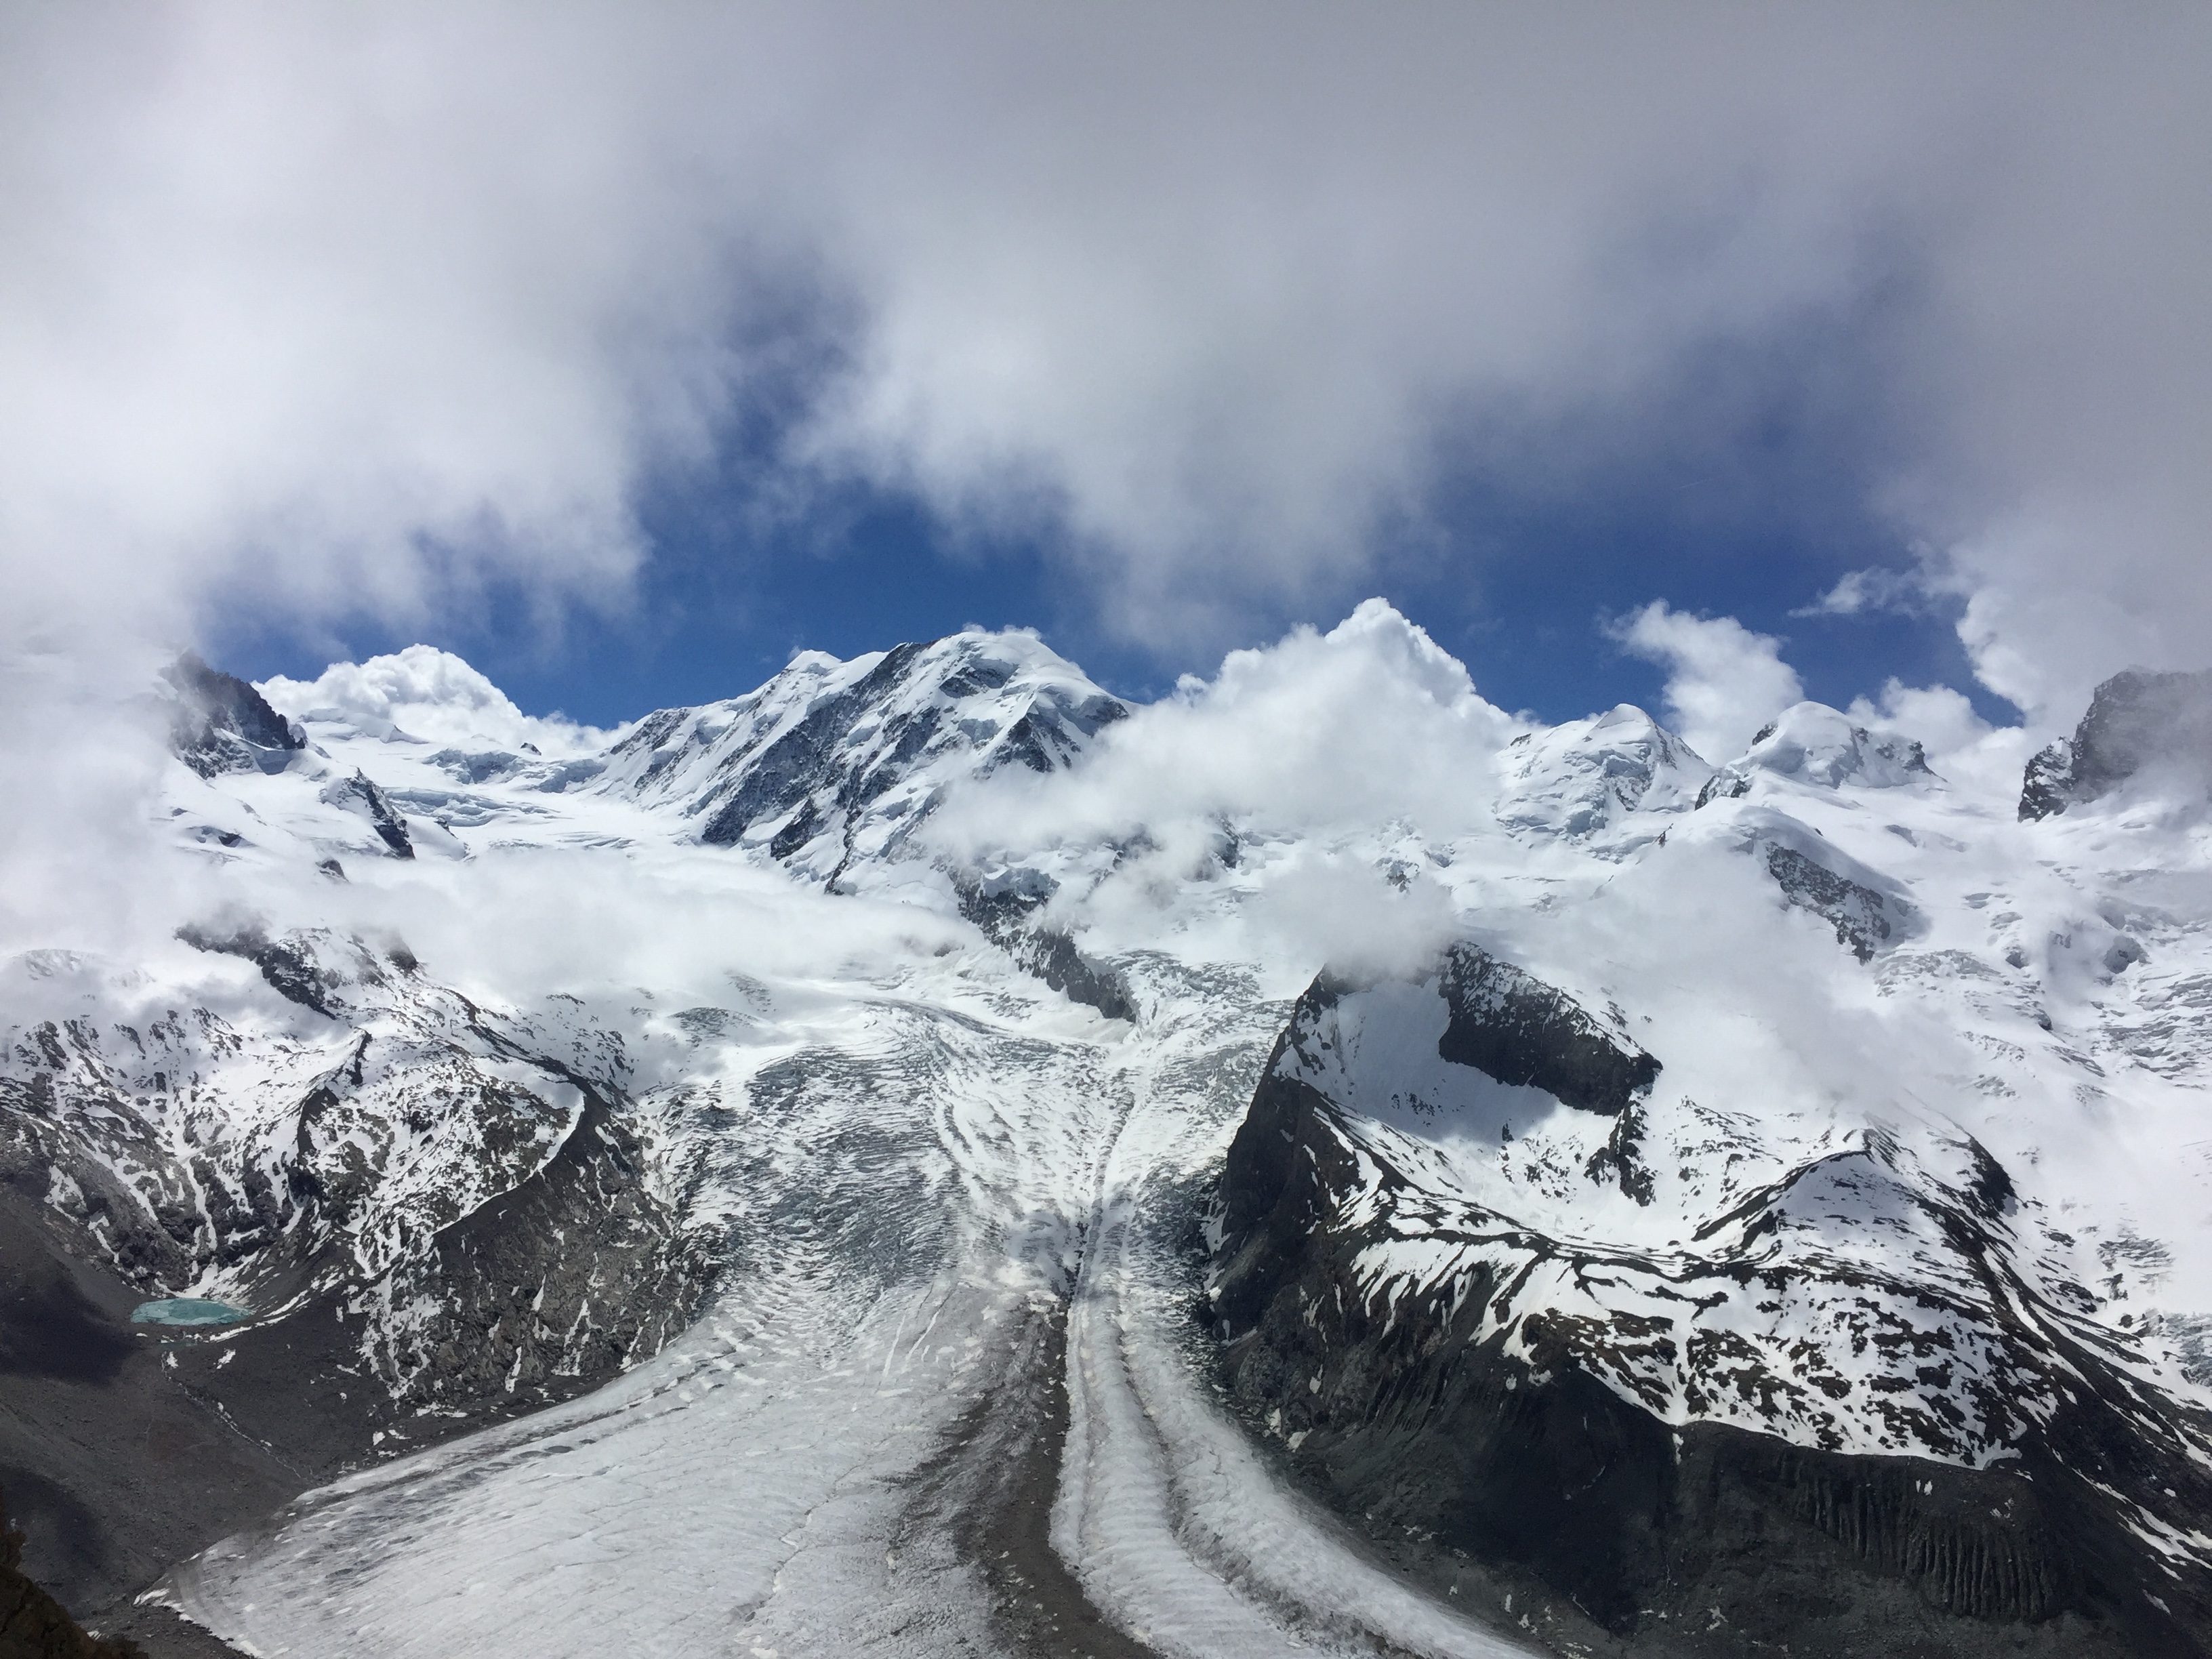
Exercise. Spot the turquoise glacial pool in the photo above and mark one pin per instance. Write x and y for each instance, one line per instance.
(187, 1310)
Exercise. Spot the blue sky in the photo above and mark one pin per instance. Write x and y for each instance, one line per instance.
(1518, 586)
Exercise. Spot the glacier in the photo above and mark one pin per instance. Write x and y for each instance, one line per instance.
(1343, 1166)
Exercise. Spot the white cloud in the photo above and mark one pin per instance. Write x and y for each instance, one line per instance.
(325, 311)
(2057, 601)
(425, 693)
(1964, 748)
(338, 310)
(1368, 722)
(1289, 752)
(1723, 682)
(1873, 589)
(1943, 720)
(83, 772)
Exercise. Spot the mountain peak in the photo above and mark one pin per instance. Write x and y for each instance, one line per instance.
(2137, 722)
(1580, 779)
(1811, 743)
(221, 724)
(832, 759)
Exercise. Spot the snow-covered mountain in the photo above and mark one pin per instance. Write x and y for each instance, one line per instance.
(1481, 1189)
(1579, 780)
(833, 761)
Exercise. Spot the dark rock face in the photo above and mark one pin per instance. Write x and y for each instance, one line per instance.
(550, 1288)
(1620, 1159)
(1518, 1030)
(33, 1625)
(2136, 720)
(291, 972)
(1040, 739)
(1045, 952)
(221, 724)
(359, 794)
(1863, 919)
(1503, 1447)
(2046, 786)
(1726, 784)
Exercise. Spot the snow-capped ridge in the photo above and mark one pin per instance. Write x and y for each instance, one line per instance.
(1813, 744)
(361, 798)
(831, 762)
(1870, 911)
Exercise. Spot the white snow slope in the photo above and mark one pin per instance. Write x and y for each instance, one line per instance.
(770, 937)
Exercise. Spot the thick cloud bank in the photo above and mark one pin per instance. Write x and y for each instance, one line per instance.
(1301, 745)
(1368, 721)
(428, 694)
(335, 311)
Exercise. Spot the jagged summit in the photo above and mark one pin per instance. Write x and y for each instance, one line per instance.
(219, 723)
(2137, 722)
(833, 761)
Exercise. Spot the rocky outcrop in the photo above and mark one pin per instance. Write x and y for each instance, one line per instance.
(359, 795)
(1767, 1441)
(548, 1289)
(33, 1625)
(219, 723)
(1007, 919)
(1868, 910)
(1864, 919)
(291, 971)
(2136, 720)
(2047, 786)
(1510, 1025)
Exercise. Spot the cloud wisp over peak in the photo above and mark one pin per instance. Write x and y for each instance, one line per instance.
(1723, 682)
